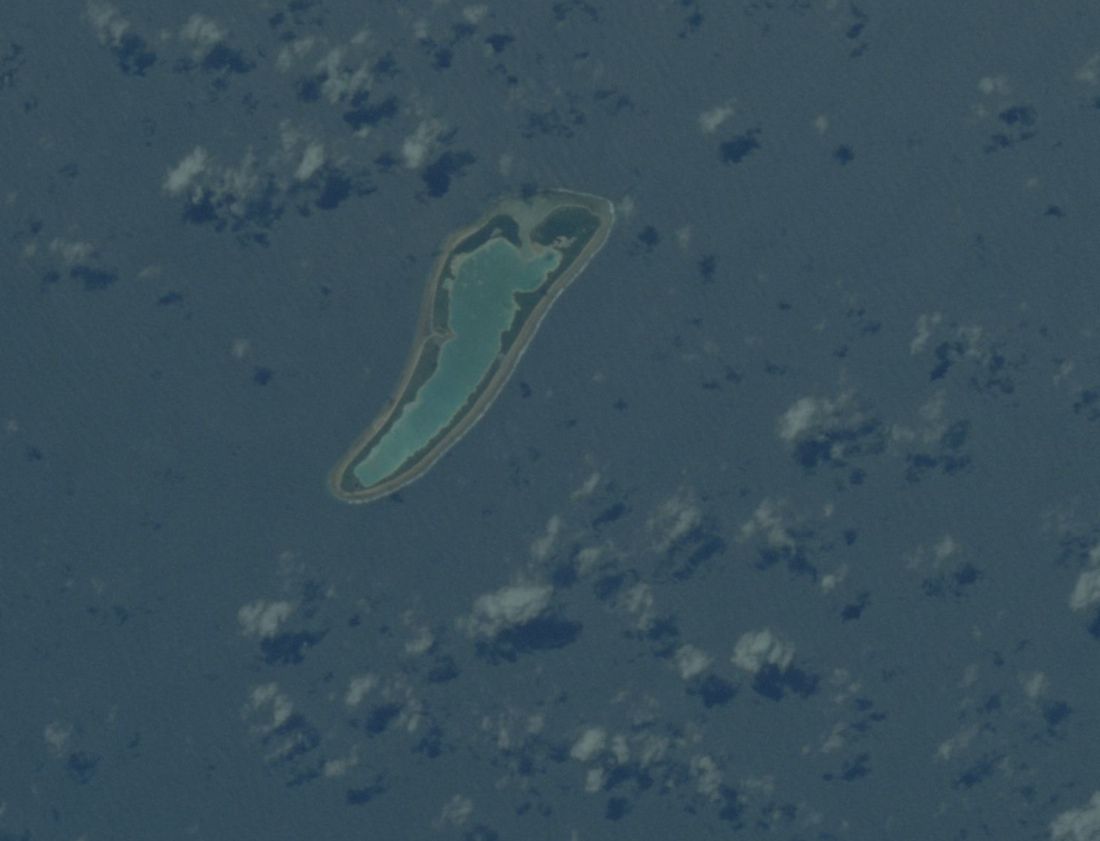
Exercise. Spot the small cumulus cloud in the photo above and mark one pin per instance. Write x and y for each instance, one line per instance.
(57, 735)
(340, 766)
(455, 812)
(294, 51)
(711, 120)
(674, 518)
(708, 777)
(1078, 824)
(768, 522)
(418, 146)
(957, 744)
(595, 780)
(933, 558)
(184, 174)
(358, 689)
(801, 417)
(756, 649)
(691, 661)
(810, 415)
(542, 546)
(202, 32)
(107, 21)
(1089, 72)
(252, 195)
(71, 251)
(931, 426)
(298, 146)
(926, 324)
(998, 85)
(266, 699)
(1086, 591)
(507, 607)
(473, 14)
(587, 486)
(312, 159)
(590, 743)
(340, 81)
(1035, 685)
(639, 602)
(421, 641)
(262, 618)
(831, 580)
(829, 430)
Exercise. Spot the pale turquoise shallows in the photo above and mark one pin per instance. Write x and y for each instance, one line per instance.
(483, 306)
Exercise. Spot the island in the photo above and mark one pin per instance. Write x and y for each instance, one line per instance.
(485, 298)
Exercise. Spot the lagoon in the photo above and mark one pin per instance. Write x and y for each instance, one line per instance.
(484, 301)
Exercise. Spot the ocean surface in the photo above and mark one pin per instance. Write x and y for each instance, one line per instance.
(787, 526)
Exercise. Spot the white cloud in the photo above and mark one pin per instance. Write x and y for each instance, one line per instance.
(994, 85)
(262, 619)
(709, 121)
(683, 236)
(312, 159)
(297, 49)
(588, 486)
(57, 736)
(1089, 72)
(590, 743)
(757, 649)
(268, 696)
(1035, 685)
(358, 688)
(925, 325)
(455, 812)
(831, 580)
(186, 171)
(1087, 590)
(811, 413)
(72, 252)
(474, 14)
(766, 520)
(674, 518)
(638, 600)
(421, 642)
(512, 605)
(341, 83)
(708, 778)
(958, 743)
(107, 21)
(620, 749)
(202, 31)
(339, 767)
(543, 546)
(1078, 824)
(595, 780)
(945, 548)
(418, 145)
(933, 422)
(799, 418)
(691, 661)
(815, 417)
(590, 558)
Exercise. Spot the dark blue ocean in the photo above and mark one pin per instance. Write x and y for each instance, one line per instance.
(787, 526)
